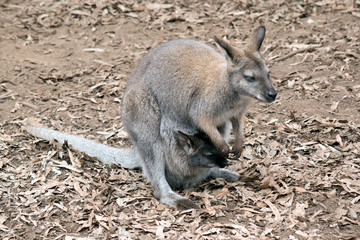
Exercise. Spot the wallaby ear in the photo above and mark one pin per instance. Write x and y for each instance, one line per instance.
(230, 50)
(257, 39)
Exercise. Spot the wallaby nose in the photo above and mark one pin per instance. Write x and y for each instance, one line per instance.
(272, 95)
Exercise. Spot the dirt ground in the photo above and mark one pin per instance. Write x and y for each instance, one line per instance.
(66, 64)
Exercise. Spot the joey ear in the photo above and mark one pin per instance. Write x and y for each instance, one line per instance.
(185, 139)
(230, 50)
(257, 39)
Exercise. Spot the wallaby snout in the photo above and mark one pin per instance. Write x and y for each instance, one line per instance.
(271, 95)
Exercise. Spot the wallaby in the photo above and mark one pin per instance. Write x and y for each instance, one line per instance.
(189, 86)
(198, 86)
(190, 159)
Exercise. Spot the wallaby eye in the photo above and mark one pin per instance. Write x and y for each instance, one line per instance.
(207, 154)
(250, 78)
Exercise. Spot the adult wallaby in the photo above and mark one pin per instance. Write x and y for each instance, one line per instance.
(198, 86)
(190, 159)
(191, 85)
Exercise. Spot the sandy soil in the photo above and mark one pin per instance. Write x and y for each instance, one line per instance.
(66, 64)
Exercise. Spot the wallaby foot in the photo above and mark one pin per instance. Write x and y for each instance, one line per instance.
(184, 204)
(177, 201)
(228, 175)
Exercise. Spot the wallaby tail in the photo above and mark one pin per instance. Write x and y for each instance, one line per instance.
(126, 157)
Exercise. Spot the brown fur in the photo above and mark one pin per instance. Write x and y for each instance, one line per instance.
(187, 85)
(198, 86)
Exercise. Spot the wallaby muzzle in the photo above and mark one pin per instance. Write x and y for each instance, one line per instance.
(270, 95)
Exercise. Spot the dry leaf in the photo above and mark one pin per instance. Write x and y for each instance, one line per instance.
(339, 212)
(275, 210)
(299, 210)
(334, 106)
(303, 147)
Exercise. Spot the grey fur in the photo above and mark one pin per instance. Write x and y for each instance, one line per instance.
(164, 162)
(179, 166)
(188, 86)
(126, 157)
(197, 86)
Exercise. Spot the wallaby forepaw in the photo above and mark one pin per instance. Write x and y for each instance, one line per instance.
(237, 154)
(224, 150)
(184, 204)
(237, 151)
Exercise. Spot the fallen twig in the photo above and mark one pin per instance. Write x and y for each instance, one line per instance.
(30, 105)
(7, 94)
(308, 49)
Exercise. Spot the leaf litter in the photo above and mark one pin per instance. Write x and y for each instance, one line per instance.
(300, 171)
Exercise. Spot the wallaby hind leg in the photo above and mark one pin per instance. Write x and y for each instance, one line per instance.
(144, 131)
(154, 169)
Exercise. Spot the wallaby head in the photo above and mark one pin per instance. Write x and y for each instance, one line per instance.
(248, 73)
(201, 151)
